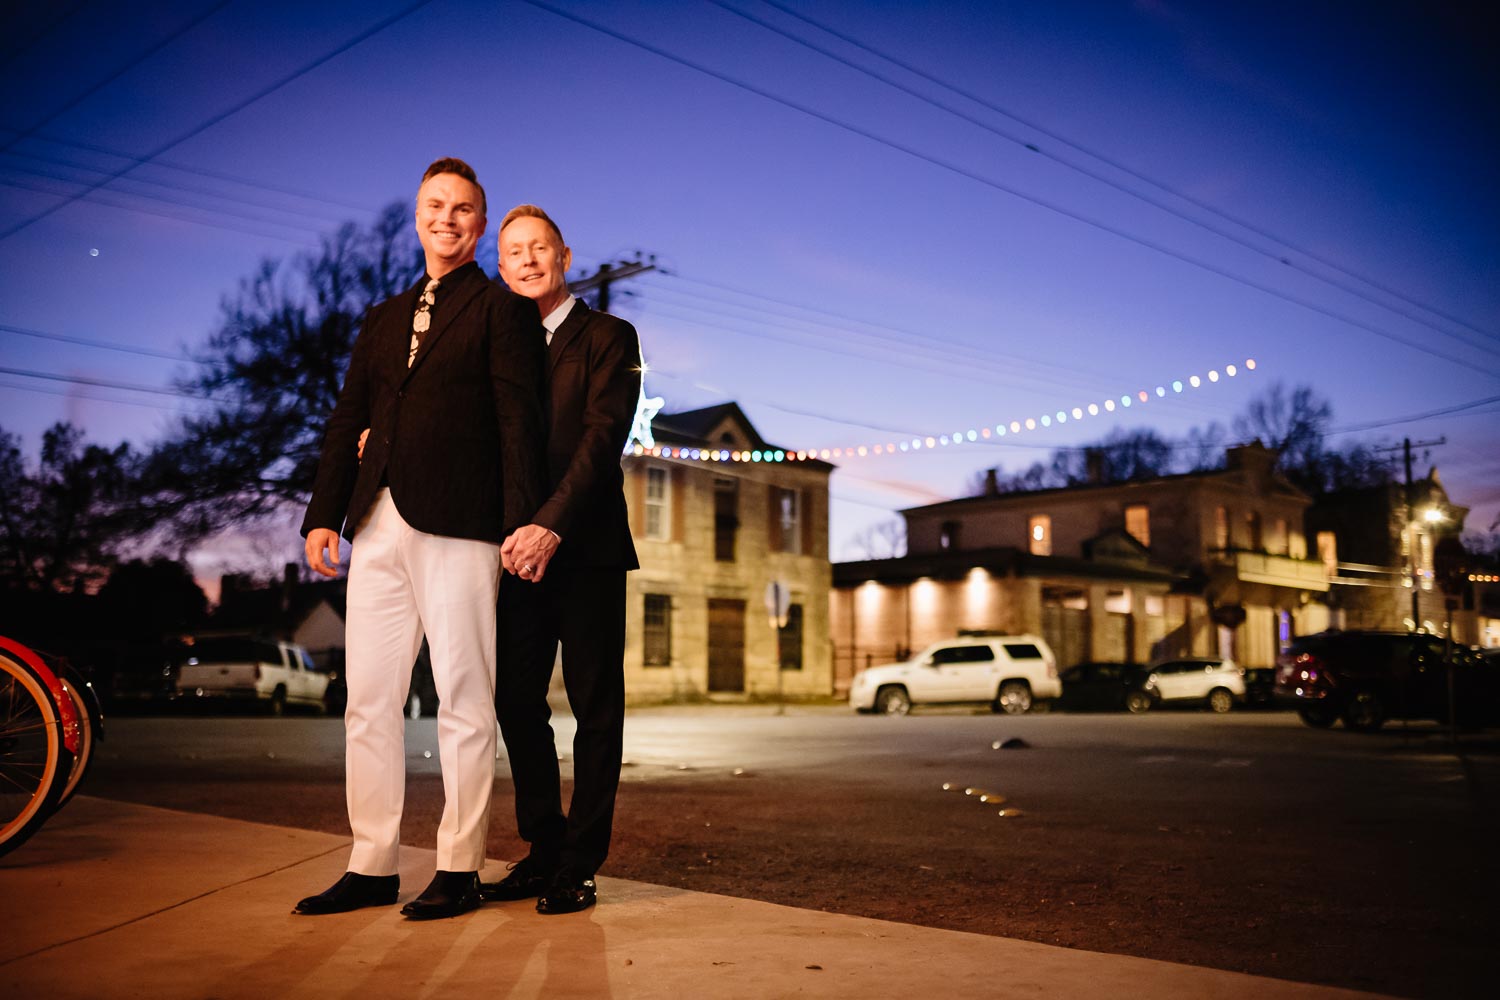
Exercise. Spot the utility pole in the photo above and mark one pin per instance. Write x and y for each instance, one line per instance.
(1411, 535)
(607, 274)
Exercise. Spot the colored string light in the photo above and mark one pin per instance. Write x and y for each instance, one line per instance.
(930, 443)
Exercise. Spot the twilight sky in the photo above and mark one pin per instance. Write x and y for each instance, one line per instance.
(876, 221)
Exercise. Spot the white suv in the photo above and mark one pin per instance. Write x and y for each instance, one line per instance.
(1010, 673)
(1217, 682)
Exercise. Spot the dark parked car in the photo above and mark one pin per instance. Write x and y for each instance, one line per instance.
(1105, 687)
(1365, 678)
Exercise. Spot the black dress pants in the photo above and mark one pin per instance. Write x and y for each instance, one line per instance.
(581, 609)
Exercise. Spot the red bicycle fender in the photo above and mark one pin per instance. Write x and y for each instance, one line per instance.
(72, 738)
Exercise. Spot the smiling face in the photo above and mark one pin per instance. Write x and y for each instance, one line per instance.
(450, 220)
(534, 262)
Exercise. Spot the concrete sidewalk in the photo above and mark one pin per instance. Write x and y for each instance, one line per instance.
(117, 900)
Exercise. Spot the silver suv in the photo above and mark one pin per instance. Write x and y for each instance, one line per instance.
(1218, 683)
(1010, 673)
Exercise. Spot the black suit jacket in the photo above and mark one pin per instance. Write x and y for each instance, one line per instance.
(594, 374)
(458, 436)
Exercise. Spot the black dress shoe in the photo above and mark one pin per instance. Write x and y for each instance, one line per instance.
(447, 895)
(352, 892)
(528, 879)
(568, 893)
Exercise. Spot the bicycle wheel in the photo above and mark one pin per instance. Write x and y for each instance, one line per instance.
(33, 759)
(90, 724)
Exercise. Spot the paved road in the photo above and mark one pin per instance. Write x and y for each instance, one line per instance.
(1245, 841)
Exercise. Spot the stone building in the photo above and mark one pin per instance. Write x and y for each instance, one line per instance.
(717, 516)
(1203, 563)
(1380, 543)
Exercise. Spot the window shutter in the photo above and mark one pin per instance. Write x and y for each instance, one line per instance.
(805, 509)
(637, 504)
(773, 525)
(677, 500)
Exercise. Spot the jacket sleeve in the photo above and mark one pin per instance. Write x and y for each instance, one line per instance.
(338, 465)
(517, 370)
(614, 389)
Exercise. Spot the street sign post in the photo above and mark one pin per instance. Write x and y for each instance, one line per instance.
(778, 606)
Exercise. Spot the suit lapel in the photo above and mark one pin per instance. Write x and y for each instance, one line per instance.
(578, 318)
(447, 310)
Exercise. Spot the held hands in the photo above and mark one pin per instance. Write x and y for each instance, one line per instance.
(527, 551)
(319, 539)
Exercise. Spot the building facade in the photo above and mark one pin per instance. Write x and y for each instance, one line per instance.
(1204, 563)
(713, 534)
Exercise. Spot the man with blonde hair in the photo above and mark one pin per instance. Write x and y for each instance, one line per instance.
(568, 587)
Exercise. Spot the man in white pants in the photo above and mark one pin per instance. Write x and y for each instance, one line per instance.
(448, 377)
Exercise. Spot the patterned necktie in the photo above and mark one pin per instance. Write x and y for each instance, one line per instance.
(421, 321)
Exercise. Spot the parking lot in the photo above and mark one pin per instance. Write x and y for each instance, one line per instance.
(1243, 841)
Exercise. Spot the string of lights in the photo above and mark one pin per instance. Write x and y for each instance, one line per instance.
(893, 446)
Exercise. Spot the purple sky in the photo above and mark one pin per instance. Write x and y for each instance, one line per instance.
(955, 281)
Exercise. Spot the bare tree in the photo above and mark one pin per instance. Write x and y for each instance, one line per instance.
(272, 373)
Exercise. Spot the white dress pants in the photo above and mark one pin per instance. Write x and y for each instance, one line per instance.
(402, 583)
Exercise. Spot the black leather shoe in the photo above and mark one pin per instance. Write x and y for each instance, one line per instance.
(568, 893)
(352, 892)
(528, 879)
(447, 895)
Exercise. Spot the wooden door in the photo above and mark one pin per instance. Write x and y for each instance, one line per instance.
(726, 645)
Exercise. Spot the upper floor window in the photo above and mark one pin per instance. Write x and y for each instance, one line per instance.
(658, 503)
(1252, 529)
(726, 518)
(786, 520)
(1138, 523)
(1039, 535)
(1221, 527)
(948, 536)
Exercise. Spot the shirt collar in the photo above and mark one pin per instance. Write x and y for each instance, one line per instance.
(457, 276)
(554, 319)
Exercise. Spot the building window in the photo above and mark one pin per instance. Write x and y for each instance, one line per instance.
(786, 520)
(790, 639)
(1138, 523)
(657, 631)
(1039, 535)
(658, 503)
(1252, 530)
(1328, 553)
(948, 536)
(1278, 544)
(726, 518)
(1221, 527)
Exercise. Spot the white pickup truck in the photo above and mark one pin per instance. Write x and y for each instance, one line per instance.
(236, 668)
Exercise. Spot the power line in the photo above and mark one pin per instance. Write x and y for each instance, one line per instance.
(197, 171)
(54, 162)
(1007, 374)
(80, 394)
(221, 116)
(104, 345)
(1039, 202)
(102, 197)
(102, 383)
(58, 113)
(904, 335)
(98, 197)
(1115, 164)
(1443, 412)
